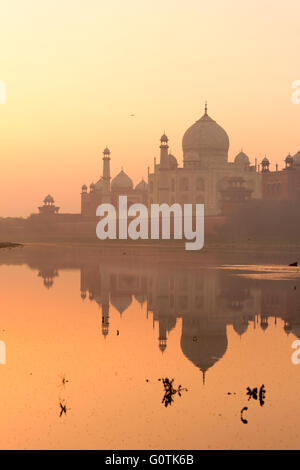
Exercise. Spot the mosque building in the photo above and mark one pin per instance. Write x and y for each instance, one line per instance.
(202, 178)
(205, 172)
(283, 185)
(205, 177)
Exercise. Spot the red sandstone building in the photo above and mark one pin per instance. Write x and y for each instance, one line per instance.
(282, 185)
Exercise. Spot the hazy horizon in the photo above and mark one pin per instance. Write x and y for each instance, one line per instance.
(76, 71)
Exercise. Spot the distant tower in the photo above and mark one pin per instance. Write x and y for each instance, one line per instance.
(265, 165)
(163, 188)
(84, 198)
(289, 161)
(106, 175)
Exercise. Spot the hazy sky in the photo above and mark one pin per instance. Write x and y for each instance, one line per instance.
(76, 70)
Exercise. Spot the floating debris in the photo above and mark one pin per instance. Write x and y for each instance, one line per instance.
(64, 381)
(63, 408)
(255, 394)
(294, 264)
(170, 391)
(118, 332)
(245, 421)
(262, 395)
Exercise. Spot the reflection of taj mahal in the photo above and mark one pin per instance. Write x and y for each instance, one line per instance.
(206, 301)
(204, 174)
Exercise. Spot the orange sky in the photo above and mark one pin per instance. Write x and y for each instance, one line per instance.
(76, 70)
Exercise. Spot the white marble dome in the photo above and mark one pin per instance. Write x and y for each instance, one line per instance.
(296, 158)
(241, 159)
(205, 139)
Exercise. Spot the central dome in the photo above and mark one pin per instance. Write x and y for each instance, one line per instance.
(205, 141)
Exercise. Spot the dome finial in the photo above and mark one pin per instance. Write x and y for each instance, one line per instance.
(205, 108)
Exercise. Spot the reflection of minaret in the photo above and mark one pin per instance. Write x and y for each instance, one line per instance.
(105, 318)
(162, 337)
(105, 303)
(48, 275)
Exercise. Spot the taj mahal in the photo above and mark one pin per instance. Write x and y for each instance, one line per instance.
(203, 176)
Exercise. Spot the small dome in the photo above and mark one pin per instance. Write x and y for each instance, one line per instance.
(172, 161)
(49, 199)
(92, 187)
(164, 138)
(141, 186)
(297, 158)
(99, 185)
(289, 158)
(122, 181)
(106, 151)
(265, 160)
(242, 159)
(84, 187)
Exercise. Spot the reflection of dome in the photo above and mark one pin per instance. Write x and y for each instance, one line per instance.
(204, 347)
(295, 328)
(264, 323)
(288, 328)
(97, 299)
(297, 158)
(241, 159)
(141, 298)
(122, 181)
(205, 138)
(121, 302)
(240, 326)
(99, 185)
(162, 345)
(142, 186)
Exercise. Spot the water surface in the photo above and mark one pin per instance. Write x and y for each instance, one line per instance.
(96, 331)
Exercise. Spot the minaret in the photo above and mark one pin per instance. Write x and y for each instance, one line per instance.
(164, 151)
(163, 186)
(106, 175)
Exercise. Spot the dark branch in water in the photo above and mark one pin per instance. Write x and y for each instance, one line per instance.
(170, 391)
(63, 408)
